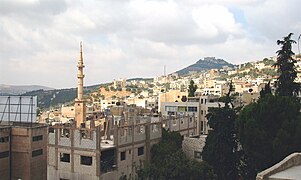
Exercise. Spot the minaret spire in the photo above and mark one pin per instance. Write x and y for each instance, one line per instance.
(80, 74)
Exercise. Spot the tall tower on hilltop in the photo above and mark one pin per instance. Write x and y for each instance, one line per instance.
(80, 103)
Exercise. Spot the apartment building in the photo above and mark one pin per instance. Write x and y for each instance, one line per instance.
(196, 107)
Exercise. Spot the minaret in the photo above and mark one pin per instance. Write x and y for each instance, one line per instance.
(80, 74)
(80, 103)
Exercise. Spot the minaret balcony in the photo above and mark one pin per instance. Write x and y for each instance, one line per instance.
(80, 66)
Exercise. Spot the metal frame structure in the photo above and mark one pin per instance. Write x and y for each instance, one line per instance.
(18, 109)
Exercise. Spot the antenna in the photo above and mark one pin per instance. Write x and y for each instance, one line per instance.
(299, 44)
(165, 83)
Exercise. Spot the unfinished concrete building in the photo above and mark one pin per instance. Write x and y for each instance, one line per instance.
(100, 153)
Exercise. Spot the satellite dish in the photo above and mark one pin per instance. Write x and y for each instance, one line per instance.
(184, 99)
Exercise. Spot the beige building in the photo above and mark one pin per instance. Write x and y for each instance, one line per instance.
(171, 96)
(119, 83)
(23, 151)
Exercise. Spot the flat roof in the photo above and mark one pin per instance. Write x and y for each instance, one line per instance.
(106, 144)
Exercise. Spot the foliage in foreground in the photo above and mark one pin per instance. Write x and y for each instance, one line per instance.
(169, 162)
(222, 150)
(270, 129)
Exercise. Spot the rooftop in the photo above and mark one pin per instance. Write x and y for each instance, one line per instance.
(22, 124)
(290, 173)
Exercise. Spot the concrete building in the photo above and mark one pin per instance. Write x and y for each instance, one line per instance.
(23, 151)
(119, 83)
(218, 89)
(196, 107)
(90, 154)
(108, 152)
(171, 96)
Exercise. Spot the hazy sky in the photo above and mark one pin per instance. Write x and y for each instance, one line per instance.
(39, 39)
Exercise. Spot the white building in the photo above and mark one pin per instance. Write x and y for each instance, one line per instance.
(196, 106)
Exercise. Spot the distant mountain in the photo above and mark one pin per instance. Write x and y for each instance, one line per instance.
(206, 64)
(140, 79)
(17, 90)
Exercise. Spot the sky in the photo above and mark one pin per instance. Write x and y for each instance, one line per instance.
(39, 39)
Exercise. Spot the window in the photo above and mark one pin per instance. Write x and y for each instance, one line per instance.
(170, 113)
(202, 126)
(37, 138)
(140, 151)
(4, 154)
(37, 152)
(192, 109)
(86, 160)
(170, 108)
(4, 139)
(64, 157)
(197, 155)
(202, 112)
(107, 160)
(65, 133)
(182, 120)
(122, 156)
(51, 130)
(182, 109)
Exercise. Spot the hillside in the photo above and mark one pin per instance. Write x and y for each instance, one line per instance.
(206, 64)
(17, 90)
(50, 98)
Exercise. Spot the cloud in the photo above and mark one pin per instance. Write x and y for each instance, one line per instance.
(123, 39)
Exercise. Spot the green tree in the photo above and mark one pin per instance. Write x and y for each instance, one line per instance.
(169, 162)
(222, 150)
(266, 90)
(267, 61)
(112, 88)
(270, 129)
(192, 88)
(286, 67)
